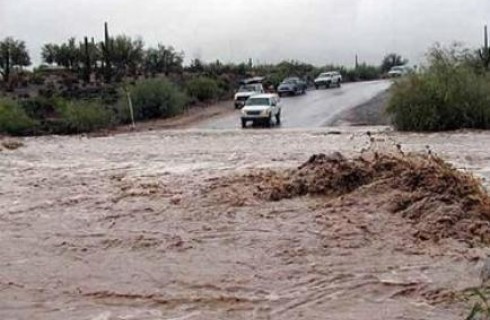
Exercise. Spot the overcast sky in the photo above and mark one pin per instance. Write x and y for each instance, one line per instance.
(316, 31)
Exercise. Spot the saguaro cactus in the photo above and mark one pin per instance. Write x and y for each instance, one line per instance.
(485, 51)
(87, 63)
(107, 54)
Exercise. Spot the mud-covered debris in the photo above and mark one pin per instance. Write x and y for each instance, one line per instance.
(441, 201)
(12, 144)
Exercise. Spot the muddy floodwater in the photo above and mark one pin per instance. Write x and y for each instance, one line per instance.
(131, 227)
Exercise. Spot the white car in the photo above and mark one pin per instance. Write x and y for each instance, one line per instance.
(246, 91)
(262, 108)
(328, 79)
(398, 71)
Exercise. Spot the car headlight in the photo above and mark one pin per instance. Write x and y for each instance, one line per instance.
(244, 112)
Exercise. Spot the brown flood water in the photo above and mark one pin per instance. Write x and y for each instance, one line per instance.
(126, 227)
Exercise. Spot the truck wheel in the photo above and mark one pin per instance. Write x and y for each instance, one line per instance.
(328, 85)
(244, 123)
(268, 122)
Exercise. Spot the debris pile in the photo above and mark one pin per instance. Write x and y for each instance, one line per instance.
(12, 144)
(441, 201)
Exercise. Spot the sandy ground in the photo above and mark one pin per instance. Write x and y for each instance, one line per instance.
(133, 226)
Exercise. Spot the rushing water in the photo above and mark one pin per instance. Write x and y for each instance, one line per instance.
(121, 227)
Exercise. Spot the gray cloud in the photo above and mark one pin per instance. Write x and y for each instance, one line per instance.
(318, 31)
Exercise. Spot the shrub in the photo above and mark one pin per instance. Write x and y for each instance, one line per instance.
(449, 95)
(84, 116)
(155, 98)
(39, 107)
(364, 72)
(203, 89)
(368, 72)
(14, 120)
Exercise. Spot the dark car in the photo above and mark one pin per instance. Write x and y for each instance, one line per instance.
(292, 86)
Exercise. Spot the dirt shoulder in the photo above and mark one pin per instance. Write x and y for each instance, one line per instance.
(190, 117)
(371, 113)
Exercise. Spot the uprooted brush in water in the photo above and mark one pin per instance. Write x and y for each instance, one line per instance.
(441, 201)
(12, 144)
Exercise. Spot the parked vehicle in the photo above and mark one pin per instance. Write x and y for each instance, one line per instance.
(245, 91)
(328, 79)
(262, 108)
(398, 71)
(292, 86)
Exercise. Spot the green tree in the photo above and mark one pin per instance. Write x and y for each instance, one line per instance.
(392, 60)
(127, 55)
(197, 66)
(70, 54)
(66, 55)
(163, 60)
(49, 52)
(13, 53)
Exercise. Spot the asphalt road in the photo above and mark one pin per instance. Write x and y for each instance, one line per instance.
(317, 108)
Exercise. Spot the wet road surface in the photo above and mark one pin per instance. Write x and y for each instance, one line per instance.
(317, 108)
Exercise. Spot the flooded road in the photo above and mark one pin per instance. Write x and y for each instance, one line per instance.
(126, 227)
(318, 108)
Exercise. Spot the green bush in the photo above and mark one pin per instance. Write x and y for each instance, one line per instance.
(203, 89)
(154, 98)
(83, 116)
(364, 72)
(449, 95)
(14, 120)
(39, 108)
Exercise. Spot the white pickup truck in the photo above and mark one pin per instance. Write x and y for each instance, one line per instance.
(398, 71)
(328, 79)
(248, 88)
(262, 108)
(246, 91)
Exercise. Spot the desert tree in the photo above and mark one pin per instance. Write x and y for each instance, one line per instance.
(392, 60)
(13, 53)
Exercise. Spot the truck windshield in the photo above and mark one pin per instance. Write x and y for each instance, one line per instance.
(258, 102)
(400, 69)
(246, 89)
